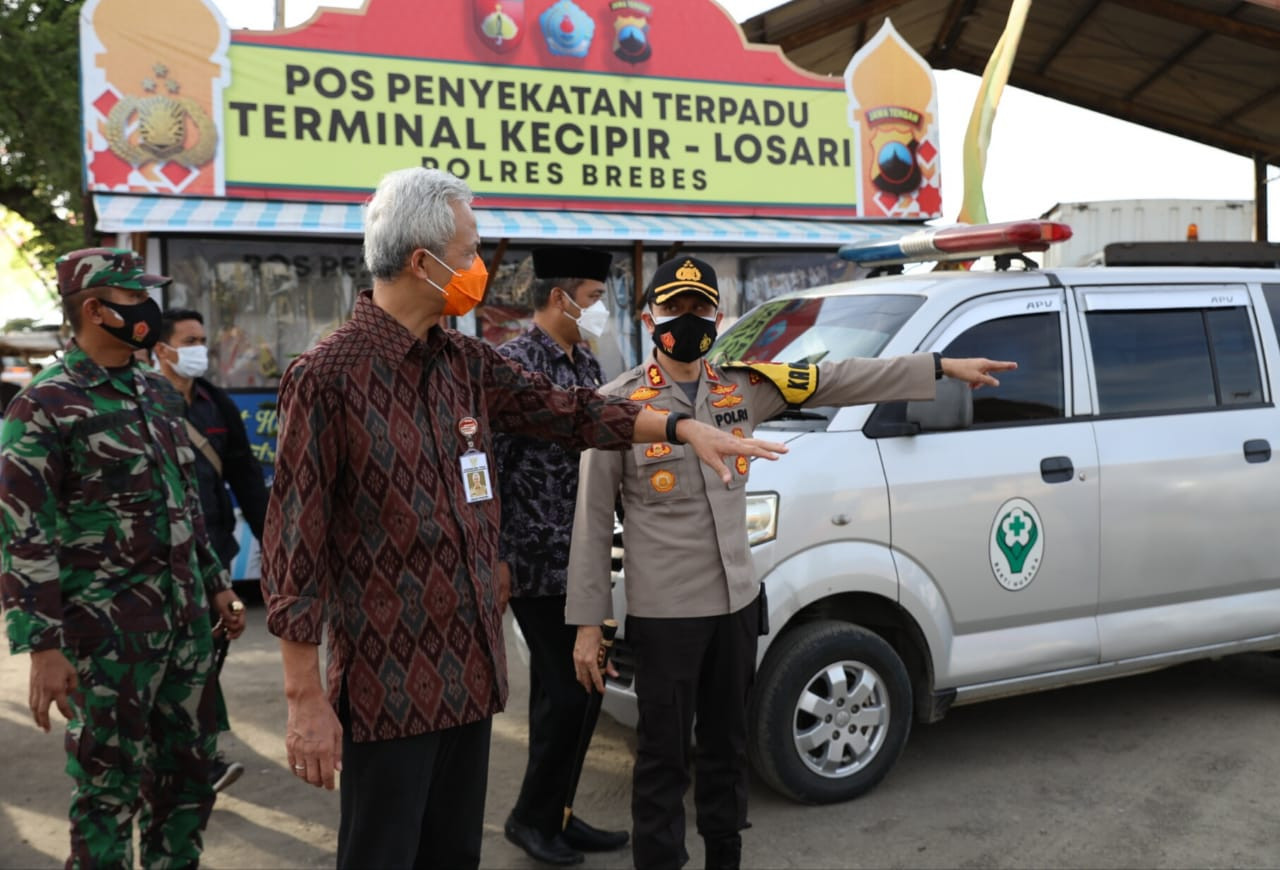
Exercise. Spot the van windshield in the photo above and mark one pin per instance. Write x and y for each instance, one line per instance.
(815, 329)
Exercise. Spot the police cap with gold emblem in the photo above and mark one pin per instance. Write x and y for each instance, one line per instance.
(683, 275)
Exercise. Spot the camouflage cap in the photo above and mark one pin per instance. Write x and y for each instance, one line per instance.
(104, 267)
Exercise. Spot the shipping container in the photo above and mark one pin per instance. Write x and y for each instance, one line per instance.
(1099, 223)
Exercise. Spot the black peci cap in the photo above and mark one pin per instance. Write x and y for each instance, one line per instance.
(683, 275)
(566, 261)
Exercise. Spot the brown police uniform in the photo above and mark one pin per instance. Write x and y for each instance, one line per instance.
(692, 594)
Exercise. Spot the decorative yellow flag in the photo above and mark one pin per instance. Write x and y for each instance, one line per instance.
(973, 209)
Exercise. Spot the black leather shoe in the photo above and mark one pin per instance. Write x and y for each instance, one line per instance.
(540, 847)
(582, 836)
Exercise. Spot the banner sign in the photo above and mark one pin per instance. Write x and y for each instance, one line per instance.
(559, 104)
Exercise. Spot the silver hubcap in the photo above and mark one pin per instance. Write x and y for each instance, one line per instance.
(841, 719)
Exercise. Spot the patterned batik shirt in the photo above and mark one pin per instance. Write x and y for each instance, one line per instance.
(99, 508)
(538, 480)
(368, 525)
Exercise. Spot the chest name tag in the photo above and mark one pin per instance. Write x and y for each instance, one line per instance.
(475, 476)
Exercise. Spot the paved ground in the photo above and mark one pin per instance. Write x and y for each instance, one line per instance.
(1172, 769)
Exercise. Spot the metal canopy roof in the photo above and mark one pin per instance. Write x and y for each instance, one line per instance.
(1206, 70)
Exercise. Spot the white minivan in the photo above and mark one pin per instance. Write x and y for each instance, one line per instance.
(1112, 507)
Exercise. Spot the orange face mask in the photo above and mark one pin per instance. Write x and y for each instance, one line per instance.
(465, 289)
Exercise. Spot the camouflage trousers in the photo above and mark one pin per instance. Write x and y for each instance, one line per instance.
(142, 726)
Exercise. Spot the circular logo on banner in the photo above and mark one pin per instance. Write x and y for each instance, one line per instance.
(1017, 544)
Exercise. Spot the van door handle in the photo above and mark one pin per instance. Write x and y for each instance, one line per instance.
(1257, 450)
(1056, 469)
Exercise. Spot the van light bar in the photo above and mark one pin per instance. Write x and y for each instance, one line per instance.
(959, 243)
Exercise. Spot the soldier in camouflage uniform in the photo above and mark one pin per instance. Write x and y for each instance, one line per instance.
(106, 575)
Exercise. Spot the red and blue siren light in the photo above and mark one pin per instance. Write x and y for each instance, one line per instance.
(959, 243)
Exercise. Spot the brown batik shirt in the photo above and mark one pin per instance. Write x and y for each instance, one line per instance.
(369, 528)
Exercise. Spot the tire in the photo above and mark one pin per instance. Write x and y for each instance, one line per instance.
(830, 668)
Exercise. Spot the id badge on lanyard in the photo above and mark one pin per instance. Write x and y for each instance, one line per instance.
(474, 465)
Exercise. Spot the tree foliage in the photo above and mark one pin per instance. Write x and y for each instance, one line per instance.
(40, 153)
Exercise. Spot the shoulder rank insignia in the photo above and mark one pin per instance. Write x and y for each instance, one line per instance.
(711, 373)
(663, 481)
(727, 402)
(658, 450)
(643, 393)
(796, 381)
(654, 375)
(659, 410)
(724, 389)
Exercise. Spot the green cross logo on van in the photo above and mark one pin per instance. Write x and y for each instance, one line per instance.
(1017, 544)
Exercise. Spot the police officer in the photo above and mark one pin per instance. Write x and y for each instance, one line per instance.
(694, 606)
(106, 574)
(538, 482)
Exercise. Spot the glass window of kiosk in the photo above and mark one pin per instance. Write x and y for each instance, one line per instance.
(264, 301)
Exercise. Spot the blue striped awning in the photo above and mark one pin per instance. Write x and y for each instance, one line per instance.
(119, 213)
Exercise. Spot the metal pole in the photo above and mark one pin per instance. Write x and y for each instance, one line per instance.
(1260, 198)
(279, 14)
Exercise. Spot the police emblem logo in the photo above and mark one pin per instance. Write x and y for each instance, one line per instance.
(631, 30)
(500, 23)
(741, 465)
(662, 481)
(703, 345)
(724, 389)
(161, 126)
(727, 402)
(140, 331)
(643, 393)
(657, 451)
(567, 29)
(655, 375)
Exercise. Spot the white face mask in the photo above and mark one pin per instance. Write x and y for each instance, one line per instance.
(593, 319)
(193, 361)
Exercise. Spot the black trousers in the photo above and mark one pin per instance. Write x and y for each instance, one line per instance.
(413, 802)
(687, 669)
(556, 706)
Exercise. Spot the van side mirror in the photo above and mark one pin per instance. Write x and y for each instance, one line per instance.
(951, 409)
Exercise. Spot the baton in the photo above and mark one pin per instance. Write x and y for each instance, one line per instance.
(609, 629)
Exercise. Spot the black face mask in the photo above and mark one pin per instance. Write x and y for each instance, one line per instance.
(685, 338)
(141, 327)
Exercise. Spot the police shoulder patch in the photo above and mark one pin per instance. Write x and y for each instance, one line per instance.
(795, 381)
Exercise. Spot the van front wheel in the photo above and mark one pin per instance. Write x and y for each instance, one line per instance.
(831, 710)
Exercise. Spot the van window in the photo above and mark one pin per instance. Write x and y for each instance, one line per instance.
(1035, 390)
(1151, 361)
(815, 329)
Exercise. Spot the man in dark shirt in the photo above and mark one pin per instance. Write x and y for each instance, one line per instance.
(222, 457)
(538, 482)
(374, 528)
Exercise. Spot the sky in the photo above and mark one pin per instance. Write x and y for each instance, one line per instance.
(1042, 151)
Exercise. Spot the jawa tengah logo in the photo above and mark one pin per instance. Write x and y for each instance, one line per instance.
(1017, 544)
(162, 126)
